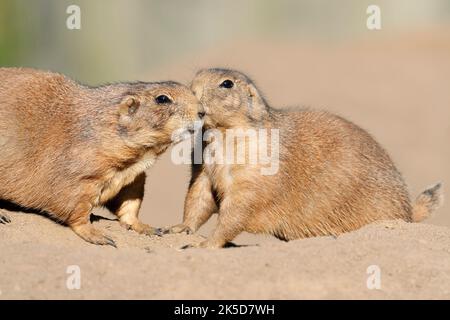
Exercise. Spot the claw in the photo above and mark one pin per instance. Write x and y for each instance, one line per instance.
(111, 242)
(4, 219)
(159, 232)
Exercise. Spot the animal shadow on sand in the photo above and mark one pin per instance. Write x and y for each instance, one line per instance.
(13, 207)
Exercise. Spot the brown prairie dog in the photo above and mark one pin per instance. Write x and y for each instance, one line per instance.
(333, 177)
(67, 148)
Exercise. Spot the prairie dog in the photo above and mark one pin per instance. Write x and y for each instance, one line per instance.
(333, 176)
(67, 148)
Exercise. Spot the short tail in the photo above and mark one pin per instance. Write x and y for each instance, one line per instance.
(427, 202)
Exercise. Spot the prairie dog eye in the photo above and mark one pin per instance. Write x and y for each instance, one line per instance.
(162, 99)
(227, 84)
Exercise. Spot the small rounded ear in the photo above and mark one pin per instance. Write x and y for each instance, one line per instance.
(256, 104)
(129, 105)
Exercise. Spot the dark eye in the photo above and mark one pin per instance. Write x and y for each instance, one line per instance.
(163, 99)
(227, 84)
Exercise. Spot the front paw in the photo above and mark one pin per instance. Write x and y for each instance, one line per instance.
(150, 231)
(179, 228)
(143, 228)
(204, 244)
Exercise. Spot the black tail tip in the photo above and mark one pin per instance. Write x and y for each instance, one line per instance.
(431, 191)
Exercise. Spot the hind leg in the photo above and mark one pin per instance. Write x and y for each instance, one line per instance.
(79, 222)
(126, 205)
(4, 218)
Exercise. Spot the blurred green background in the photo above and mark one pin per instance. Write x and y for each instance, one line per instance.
(394, 82)
(120, 39)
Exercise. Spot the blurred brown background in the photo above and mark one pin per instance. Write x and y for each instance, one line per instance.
(394, 82)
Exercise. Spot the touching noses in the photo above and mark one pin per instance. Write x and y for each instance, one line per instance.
(198, 92)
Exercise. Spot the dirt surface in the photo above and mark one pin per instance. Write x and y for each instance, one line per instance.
(414, 262)
(396, 88)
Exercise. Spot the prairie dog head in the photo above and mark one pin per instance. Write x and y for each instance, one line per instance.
(229, 98)
(150, 113)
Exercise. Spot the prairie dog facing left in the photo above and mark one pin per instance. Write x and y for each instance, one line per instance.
(67, 148)
(333, 176)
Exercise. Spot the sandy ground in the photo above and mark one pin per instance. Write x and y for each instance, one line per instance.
(396, 88)
(414, 262)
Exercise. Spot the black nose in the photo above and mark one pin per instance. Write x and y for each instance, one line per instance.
(201, 114)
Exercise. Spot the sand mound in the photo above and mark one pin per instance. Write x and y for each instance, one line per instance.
(413, 259)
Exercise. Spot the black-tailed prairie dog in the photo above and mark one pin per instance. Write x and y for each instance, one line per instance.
(332, 177)
(66, 148)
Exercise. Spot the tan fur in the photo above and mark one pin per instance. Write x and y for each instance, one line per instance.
(333, 176)
(66, 148)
